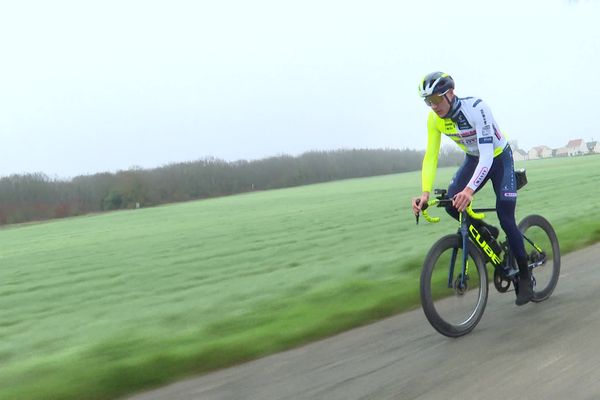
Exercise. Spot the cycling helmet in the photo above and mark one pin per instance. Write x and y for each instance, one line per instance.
(435, 83)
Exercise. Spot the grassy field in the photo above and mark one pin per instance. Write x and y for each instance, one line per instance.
(100, 306)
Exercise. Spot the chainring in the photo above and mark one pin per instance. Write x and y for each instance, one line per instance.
(501, 283)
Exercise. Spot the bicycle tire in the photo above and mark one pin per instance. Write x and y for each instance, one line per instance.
(428, 300)
(553, 270)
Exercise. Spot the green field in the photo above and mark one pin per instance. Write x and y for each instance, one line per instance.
(100, 306)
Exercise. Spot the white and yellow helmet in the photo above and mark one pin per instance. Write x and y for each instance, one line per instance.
(435, 83)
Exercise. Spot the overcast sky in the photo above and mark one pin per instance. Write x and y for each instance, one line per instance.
(91, 86)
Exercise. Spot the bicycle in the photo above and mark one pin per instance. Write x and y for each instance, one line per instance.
(454, 302)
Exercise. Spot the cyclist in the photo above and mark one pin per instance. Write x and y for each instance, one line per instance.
(469, 123)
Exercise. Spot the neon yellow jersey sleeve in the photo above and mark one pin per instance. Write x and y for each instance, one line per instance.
(430, 160)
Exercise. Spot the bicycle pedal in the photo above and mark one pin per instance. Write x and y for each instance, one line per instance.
(510, 272)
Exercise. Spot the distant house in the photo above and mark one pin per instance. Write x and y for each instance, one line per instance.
(546, 152)
(533, 154)
(577, 147)
(520, 155)
(539, 152)
(562, 152)
(593, 147)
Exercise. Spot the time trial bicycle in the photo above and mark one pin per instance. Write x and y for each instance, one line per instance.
(454, 279)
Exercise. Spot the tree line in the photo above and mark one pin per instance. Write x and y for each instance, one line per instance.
(35, 196)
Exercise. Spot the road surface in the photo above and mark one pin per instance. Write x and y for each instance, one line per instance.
(549, 350)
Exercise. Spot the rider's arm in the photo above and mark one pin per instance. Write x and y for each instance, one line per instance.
(431, 154)
(485, 144)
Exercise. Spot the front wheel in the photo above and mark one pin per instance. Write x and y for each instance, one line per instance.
(543, 255)
(453, 304)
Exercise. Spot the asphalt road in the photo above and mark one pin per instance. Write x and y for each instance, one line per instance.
(549, 350)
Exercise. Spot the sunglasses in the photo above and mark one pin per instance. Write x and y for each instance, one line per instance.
(433, 99)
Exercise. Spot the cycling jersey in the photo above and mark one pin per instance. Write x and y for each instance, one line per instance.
(473, 128)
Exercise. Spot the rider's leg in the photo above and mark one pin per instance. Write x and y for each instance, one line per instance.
(506, 215)
(459, 182)
(502, 176)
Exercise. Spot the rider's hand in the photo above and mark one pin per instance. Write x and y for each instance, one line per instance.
(461, 200)
(418, 202)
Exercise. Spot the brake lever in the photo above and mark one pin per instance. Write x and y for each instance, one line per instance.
(422, 209)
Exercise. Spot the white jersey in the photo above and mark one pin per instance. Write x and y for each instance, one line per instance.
(473, 128)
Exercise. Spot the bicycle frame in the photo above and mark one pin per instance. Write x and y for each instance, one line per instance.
(464, 230)
(497, 259)
(468, 231)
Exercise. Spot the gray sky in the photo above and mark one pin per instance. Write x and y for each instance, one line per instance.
(91, 86)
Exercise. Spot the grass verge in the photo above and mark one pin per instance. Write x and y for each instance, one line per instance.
(100, 307)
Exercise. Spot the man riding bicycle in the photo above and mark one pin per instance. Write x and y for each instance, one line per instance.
(469, 123)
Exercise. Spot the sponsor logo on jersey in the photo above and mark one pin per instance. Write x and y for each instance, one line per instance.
(483, 115)
(466, 134)
(481, 176)
(462, 122)
(487, 139)
(510, 194)
(486, 130)
(477, 102)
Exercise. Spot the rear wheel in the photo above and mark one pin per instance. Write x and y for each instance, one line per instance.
(543, 253)
(453, 305)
